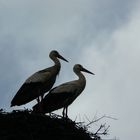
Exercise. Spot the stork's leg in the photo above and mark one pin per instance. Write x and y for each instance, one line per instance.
(38, 99)
(63, 113)
(42, 97)
(40, 109)
(66, 112)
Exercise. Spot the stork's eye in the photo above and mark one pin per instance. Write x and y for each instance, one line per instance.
(79, 66)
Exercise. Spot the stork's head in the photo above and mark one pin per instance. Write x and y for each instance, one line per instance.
(78, 68)
(55, 54)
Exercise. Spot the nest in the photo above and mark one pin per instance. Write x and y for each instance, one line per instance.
(23, 125)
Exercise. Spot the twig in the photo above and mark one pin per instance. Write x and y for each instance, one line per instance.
(96, 120)
(87, 118)
(93, 121)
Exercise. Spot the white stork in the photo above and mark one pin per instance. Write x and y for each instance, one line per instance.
(63, 95)
(38, 83)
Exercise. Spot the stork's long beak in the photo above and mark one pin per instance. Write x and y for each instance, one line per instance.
(61, 57)
(85, 70)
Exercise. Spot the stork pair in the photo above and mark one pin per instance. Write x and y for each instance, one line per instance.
(42, 81)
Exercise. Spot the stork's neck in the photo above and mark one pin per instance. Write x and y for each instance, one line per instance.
(82, 79)
(56, 63)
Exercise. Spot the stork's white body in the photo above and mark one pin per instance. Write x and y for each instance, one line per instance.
(63, 95)
(38, 83)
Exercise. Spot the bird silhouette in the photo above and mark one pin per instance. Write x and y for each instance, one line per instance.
(38, 83)
(63, 95)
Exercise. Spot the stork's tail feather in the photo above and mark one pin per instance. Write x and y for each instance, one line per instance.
(12, 104)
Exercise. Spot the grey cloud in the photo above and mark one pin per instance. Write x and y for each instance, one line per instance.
(30, 29)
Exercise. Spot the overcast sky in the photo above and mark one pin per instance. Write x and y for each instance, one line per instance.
(102, 35)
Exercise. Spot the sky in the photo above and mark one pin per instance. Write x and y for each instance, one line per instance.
(103, 36)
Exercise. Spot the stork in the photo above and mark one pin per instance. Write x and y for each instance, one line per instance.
(39, 83)
(63, 95)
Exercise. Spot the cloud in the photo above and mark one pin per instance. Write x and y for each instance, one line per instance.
(115, 88)
(101, 35)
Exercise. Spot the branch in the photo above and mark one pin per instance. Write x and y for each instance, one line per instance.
(96, 120)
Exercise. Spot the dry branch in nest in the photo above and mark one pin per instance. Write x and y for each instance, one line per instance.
(23, 124)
